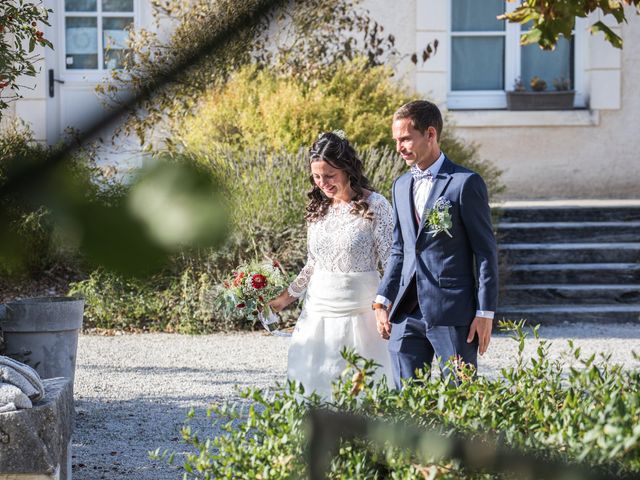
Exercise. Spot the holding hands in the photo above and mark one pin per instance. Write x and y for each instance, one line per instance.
(383, 324)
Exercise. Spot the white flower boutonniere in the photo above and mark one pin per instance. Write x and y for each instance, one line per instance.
(439, 218)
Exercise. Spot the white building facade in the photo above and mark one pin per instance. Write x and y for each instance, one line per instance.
(588, 151)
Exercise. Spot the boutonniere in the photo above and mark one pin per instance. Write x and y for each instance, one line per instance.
(439, 218)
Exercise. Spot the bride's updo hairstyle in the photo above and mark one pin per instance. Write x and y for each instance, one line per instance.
(334, 148)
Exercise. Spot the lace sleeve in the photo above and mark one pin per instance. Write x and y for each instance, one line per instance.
(382, 229)
(299, 285)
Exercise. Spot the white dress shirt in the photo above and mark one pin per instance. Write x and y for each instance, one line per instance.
(422, 187)
(421, 190)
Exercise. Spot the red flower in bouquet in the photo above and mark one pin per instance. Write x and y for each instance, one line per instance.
(238, 280)
(258, 281)
(240, 305)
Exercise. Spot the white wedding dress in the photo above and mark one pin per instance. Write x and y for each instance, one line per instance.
(340, 280)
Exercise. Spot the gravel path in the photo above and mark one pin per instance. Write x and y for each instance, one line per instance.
(133, 391)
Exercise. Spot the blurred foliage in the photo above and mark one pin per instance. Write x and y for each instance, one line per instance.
(549, 20)
(70, 212)
(32, 241)
(168, 206)
(571, 409)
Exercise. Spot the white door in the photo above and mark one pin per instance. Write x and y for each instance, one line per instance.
(89, 37)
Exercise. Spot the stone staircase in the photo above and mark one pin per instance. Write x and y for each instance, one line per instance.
(570, 261)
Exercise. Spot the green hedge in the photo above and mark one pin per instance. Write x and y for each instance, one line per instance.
(570, 409)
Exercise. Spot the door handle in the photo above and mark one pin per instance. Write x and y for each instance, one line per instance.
(52, 82)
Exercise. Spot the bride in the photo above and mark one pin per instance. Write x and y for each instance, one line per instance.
(349, 229)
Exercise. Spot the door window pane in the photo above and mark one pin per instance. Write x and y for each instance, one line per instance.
(117, 5)
(477, 63)
(477, 15)
(80, 5)
(81, 39)
(548, 65)
(114, 37)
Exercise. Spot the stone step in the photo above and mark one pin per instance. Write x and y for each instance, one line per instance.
(568, 232)
(549, 315)
(528, 253)
(570, 213)
(558, 294)
(574, 273)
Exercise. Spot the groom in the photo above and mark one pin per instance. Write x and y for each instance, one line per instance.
(440, 287)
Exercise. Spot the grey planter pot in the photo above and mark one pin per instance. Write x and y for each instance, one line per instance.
(555, 100)
(43, 333)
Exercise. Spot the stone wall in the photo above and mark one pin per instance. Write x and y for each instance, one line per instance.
(35, 443)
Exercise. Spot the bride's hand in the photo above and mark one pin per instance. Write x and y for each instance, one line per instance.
(281, 302)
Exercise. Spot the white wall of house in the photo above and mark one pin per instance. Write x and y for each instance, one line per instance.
(399, 19)
(587, 152)
(581, 153)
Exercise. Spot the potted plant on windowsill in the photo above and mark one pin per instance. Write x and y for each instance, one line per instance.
(538, 98)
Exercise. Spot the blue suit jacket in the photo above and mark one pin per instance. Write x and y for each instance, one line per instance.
(454, 276)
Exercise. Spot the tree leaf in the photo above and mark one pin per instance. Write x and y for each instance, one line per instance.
(609, 34)
(532, 36)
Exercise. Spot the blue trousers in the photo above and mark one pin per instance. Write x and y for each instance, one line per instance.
(413, 344)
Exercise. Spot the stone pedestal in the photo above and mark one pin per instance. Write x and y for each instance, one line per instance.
(35, 443)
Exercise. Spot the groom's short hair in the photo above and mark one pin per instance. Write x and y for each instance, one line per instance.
(423, 114)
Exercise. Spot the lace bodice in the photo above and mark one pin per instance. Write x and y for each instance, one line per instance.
(345, 242)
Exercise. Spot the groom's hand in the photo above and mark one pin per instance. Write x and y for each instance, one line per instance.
(382, 320)
(482, 326)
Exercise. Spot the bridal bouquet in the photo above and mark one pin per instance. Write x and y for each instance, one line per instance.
(250, 286)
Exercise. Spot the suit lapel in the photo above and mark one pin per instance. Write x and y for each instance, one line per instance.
(405, 195)
(439, 186)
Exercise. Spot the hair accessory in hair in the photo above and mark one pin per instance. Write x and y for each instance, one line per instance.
(340, 134)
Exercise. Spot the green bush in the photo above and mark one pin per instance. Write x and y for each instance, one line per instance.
(173, 302)
(32, 248)
(112, 302)
(570, 409)
(257, 109)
